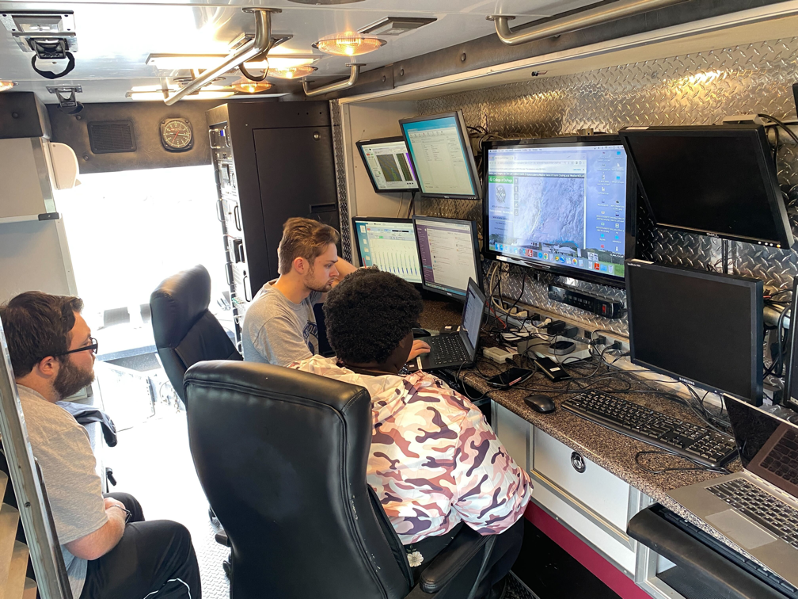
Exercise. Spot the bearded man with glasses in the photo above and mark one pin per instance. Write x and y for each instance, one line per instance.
(109, 550)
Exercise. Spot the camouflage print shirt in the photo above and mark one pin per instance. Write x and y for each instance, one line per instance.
(434, 460)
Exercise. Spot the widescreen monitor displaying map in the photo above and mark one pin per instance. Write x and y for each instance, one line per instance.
(559, 205)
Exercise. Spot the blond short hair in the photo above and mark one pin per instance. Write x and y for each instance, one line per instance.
(304, 238)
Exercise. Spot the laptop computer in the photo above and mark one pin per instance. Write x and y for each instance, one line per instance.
(756, 508)
(460, 348)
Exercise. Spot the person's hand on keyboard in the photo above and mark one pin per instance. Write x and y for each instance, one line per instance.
(418, 349)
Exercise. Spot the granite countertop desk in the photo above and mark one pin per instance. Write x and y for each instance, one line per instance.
(610, 450)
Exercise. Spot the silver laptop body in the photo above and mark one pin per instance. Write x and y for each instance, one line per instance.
(768, 449)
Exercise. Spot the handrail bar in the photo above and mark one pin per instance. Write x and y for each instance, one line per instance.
(334, 87)
(586, 18)
(260, 44)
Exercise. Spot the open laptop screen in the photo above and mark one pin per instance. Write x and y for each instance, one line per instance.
(768, 446)
(472, 314)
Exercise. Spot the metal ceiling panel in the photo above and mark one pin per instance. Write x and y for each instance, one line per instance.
(116, 37)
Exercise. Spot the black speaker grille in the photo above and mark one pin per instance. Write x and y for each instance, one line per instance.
(106, 137)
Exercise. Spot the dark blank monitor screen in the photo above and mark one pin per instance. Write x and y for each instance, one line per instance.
(708, 181)
(700, 327)
(448, 254)
(389, 245)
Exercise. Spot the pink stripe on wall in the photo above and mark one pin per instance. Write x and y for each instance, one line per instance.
(587, 557)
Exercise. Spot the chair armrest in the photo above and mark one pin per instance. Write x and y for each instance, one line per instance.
(466, 545)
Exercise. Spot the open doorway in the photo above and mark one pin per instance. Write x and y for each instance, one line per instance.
(127, 231)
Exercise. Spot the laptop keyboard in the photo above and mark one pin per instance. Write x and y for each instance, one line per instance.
(447, 349)
(770, 513)
(782, 460)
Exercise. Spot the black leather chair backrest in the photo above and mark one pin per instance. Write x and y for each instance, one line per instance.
(282, 456)
(185, 330)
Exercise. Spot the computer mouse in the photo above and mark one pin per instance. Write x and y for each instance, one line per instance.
(540, 403)
(419, 333)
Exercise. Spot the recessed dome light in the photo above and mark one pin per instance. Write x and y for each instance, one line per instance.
(292, 72)
(348, 43)
(251, 87)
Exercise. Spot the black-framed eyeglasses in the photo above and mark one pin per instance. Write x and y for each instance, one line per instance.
(93, 347)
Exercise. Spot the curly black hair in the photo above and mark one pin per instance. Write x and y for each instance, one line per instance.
(369, 313)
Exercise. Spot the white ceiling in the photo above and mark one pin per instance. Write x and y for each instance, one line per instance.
(115, 37)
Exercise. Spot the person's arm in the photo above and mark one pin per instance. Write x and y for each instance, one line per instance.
(344, 268)
(492, 491)
(103, 540)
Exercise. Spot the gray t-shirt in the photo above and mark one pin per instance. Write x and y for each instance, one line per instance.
(62, 448)
(278, 331)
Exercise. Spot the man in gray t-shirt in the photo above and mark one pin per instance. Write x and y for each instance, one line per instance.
(279, 325)
(109, 550)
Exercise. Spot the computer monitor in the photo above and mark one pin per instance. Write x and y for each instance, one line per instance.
(388, 165)
(390, 244)
(563, 205)
(441, 152)
(791, 381)
(715, 180)
(699, 327)
(449, 254)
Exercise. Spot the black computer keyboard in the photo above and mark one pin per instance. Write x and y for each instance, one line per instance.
(447, 349)
(778, 517)
(783, 459)
(700, 444)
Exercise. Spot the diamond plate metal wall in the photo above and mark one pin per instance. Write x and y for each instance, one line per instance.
(693, 89)
(340, 178)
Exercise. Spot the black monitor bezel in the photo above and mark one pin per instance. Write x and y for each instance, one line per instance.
(465, 142)
(630, 238)
(385, 220)
(755, 287)
(386, 140)
(475, 247)
(761, 147)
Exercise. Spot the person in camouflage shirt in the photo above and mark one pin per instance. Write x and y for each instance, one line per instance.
(434, 460)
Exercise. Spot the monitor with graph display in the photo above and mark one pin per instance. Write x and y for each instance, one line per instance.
(389, 244)
(388, 164)
(560, 205)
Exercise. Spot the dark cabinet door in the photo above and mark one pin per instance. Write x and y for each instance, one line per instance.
(296, 174)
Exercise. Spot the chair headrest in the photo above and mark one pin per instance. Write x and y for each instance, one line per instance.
(177, 303)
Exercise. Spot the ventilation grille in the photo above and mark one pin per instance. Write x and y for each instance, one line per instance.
(106, 137)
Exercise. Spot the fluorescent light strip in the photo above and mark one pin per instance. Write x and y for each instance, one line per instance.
(178, 62)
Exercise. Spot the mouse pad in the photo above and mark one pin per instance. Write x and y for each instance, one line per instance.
(740, 529)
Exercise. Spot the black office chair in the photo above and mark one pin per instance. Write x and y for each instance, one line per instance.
(185, 330)
(285, 470)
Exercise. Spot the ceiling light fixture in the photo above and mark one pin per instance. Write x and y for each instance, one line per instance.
(251, 87)
(292, 72)
(6, 85)
(202, 95)
(187, 62)
(348, 43)
(396, 25)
